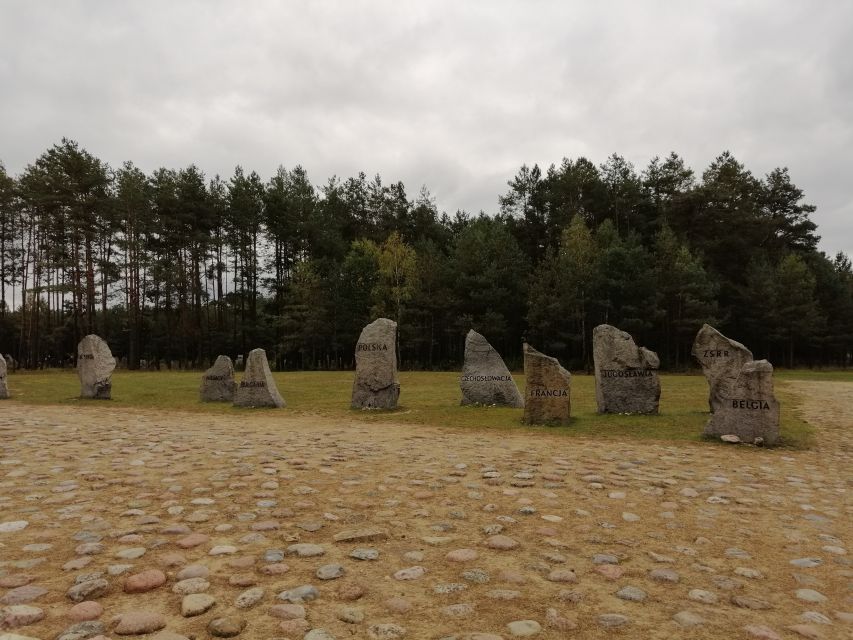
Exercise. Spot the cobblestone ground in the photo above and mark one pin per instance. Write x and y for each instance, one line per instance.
(118, 523)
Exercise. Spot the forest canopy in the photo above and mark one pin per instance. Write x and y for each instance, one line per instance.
(176, 266)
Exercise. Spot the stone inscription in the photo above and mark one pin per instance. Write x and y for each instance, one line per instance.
(374, 346)
(548, 393)
(253, 383)
(216, 378)
(486, 378)
(751, 404)
(627, 373)
(86, 356)
(716, 353)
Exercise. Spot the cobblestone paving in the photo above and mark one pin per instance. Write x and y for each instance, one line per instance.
(116, 523)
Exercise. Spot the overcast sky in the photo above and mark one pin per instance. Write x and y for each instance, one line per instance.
(452, 95)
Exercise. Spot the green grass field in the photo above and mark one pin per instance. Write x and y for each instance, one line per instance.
(427, 398)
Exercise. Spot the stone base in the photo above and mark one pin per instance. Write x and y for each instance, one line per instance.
(365, 398)
(98, 391)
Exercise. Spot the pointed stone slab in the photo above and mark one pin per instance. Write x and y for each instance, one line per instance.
(95, 366)
(217, 383)
(626, 376)
(485, 378)
(257, 388)
(4, 385)
(548, 394)
(722, 360)
(751, 411)
(376, 385)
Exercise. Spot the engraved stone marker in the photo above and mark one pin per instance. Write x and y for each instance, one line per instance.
(217, 383)
(548, 394)
(485, 378)
(95, 366)
(626, 377)
(722, 360)
(257, 388)
(376, 385)
(4, 387)
(751, 410)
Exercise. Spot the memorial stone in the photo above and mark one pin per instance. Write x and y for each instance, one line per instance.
(547, 396)
(4, 387)
(95, 366)
(257, 388)
(722, 360)
(376, 385)
(626, 377)
(485, 378)
(217, 383)
(751, 411)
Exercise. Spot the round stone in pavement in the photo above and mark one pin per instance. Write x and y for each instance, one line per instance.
(135, 623)
(610, 620)
(634, 594)
(364, 554)
(226, 627)
(524, 628)
(196, 604)
(688, 619)
(19, 615)
(386, 631)
(501, 543)
(810, 595)
(330, 572)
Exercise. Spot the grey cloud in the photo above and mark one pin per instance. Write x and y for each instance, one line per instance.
(452, 95)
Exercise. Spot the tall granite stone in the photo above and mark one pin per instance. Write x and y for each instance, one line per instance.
(722, 360)
(257, 387)
(4, 386)
(95, 366)
(626, 376)
(485, 378)
(548, 394)
(751, 410)
(376, 385)
(217, 383)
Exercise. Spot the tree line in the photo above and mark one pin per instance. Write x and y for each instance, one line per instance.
(173, 266)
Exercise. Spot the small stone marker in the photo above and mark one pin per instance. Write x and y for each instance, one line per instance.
(4, 387)
(485, 378)
(547, 396)
(376, 385)
(257, 388)
(722, 360)
(751, 411)
(95, 366)
(217, 383)
(626, 377)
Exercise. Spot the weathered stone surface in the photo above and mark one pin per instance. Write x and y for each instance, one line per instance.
(134, 623)
(376, 385)
(95, 365)
(752, 410)
(485, 378)
(547, 395)
(217, 383)
(4, 385)
(722, 360)
(626, 377)
(257, 388)
(361, 535)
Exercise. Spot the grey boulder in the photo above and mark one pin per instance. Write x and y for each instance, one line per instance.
(4, 386)
(95, 366)
(548, 394)
(257, 387)
(751, 412)
(376, 385)
(626, 376)
(485, 378)
(217, 383)
(722, 360)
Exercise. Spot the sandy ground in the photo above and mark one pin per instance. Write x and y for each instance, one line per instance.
(706, 534)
